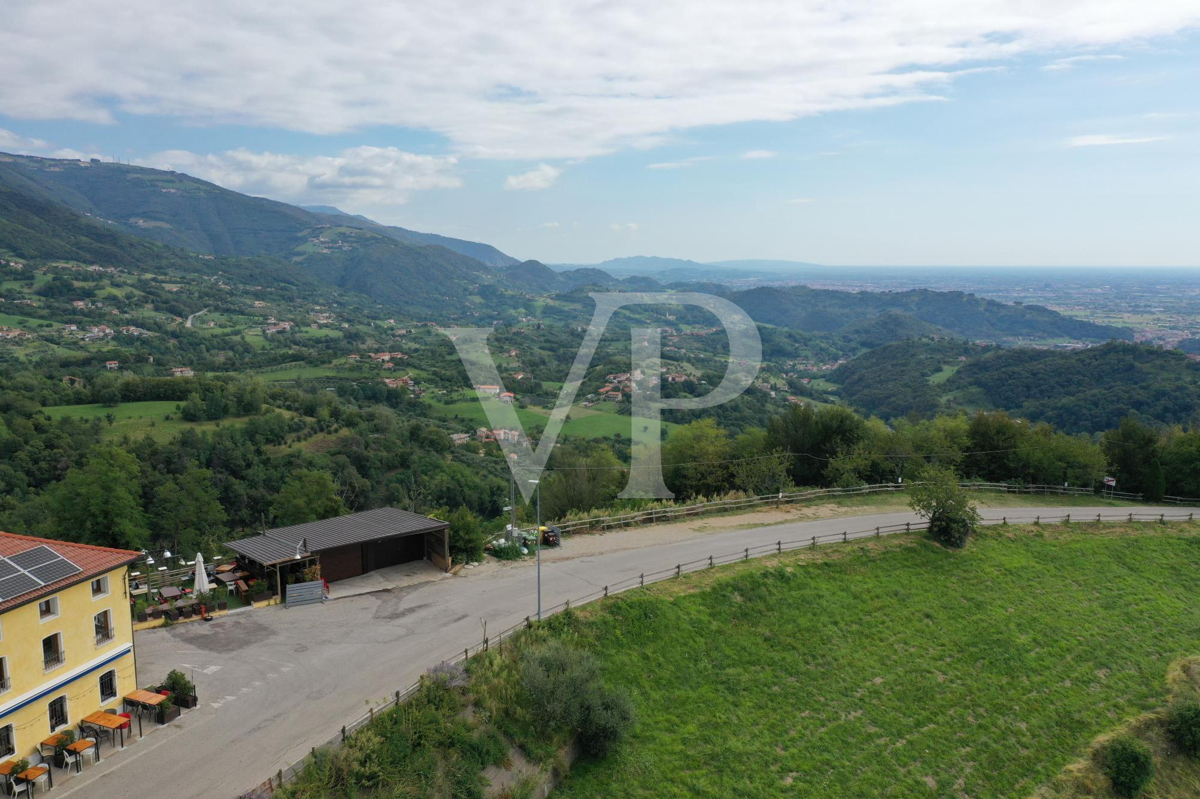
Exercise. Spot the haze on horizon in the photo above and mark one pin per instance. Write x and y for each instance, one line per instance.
(1003, 135)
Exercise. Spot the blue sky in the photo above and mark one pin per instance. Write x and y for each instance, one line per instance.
(859, 138)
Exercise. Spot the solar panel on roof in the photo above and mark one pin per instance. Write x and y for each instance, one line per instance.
(7, 569)
(55, 570)
(38, 556)
(16, 585)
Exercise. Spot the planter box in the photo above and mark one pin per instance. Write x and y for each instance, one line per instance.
(187, 613)
(173, 615)
(222, 605)
(188, 702)
(155, 612)
(263, 597)
(166, 717)
(143, 616)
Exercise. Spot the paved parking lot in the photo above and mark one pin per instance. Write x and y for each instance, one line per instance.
(275, 682)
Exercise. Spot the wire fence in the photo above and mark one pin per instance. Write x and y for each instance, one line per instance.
(641, 580)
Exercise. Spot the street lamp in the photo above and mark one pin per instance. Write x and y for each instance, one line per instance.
(539, 547)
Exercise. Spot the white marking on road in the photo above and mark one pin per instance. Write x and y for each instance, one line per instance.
(215, 704)
(211, 670)
(230, 698)
(256, 683)
(272, 676)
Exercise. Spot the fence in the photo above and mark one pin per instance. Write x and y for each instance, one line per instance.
(656, 515)
(267, 788)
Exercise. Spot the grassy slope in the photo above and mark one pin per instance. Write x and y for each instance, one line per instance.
(137, 419)
(887, 668)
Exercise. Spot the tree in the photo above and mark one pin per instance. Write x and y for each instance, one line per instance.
(1128, 764)
(696, 459)
(467, 536)
(814, 438)
(1131, 449)
(307, 496)
(193, 409)
(100, 503)
(187, 510)
(939, 498)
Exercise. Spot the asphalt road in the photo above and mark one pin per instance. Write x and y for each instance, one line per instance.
(275, 682)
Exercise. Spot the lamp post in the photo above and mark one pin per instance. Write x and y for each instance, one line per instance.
(539, 547)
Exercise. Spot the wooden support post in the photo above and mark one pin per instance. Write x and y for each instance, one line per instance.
(877, 532)
(371, 711)
(643, 579)
(606, 592)
(397, 698)
(779, 547)
(678, 570)
(845, 536)
(343, 733)
(1068, 519)
(814, 542)
(747, 553)
(908, 527)
(710, 561)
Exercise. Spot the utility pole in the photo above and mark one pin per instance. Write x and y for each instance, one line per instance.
(538, 538)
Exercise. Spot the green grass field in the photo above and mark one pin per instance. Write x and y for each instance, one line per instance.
(595, 422)
(893, 668)
(136, 419)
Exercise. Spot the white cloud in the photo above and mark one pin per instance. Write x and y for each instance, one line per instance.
(357, 177)
(681, 164)
(1073, 61)
(624, 226)
(549, 225)
(540, 177)
(758, 155)
(1106, 139)
(530, 79)
(21, 145)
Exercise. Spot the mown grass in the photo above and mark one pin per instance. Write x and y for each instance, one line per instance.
(137, 419)
(894, 668)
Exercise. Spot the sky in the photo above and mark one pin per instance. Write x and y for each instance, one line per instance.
(905, 132)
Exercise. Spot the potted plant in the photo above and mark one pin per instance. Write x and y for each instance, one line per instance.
(167, 711)
(142, 616)
(182, 689)
(65, 739)
(173, 614)
(186, 612)
(21, 767)
(222, 604)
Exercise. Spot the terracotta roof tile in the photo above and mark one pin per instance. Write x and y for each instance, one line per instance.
(92, 559)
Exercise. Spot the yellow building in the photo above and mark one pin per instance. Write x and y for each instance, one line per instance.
(66, 637)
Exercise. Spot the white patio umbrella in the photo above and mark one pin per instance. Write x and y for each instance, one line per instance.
(201, 586)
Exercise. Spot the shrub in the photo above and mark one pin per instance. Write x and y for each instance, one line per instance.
(566, 694)
(1128, 764)
(1183, 724)
(939, 498)
(556, 679)
(507, 551)
(607, 718)
(178, 684)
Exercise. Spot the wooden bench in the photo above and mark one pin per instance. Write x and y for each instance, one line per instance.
(243, 590)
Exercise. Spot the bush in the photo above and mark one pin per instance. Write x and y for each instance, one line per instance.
(507, 551)
(607, 718)
(1128, 764)
(1183, 725)
(939, 498)
(566, 695)
(557, 679)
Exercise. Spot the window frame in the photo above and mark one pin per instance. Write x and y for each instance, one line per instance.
(53, 614)
(62, 654)
(110, 673)
(12, 740)
(112, 627)
(5, 675)
(66, 703)
(103, 580)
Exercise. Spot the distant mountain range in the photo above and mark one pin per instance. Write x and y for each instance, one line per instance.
(117, 214)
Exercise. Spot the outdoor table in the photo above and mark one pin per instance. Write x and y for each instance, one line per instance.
(146, 699)
(226, 567)
(78, 748)
(109, 721)
(7, 767)
(170, 592)
(31, 774)
(52, 742)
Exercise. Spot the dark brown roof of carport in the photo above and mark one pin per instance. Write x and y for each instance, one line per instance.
(282, 543)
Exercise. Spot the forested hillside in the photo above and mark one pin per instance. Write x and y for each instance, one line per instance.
(965, 315)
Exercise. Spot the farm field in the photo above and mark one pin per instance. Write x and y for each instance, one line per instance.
(136, 419)
(583, 422)
(894, 668)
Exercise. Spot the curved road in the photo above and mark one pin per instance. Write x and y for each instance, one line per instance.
(274, 683)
